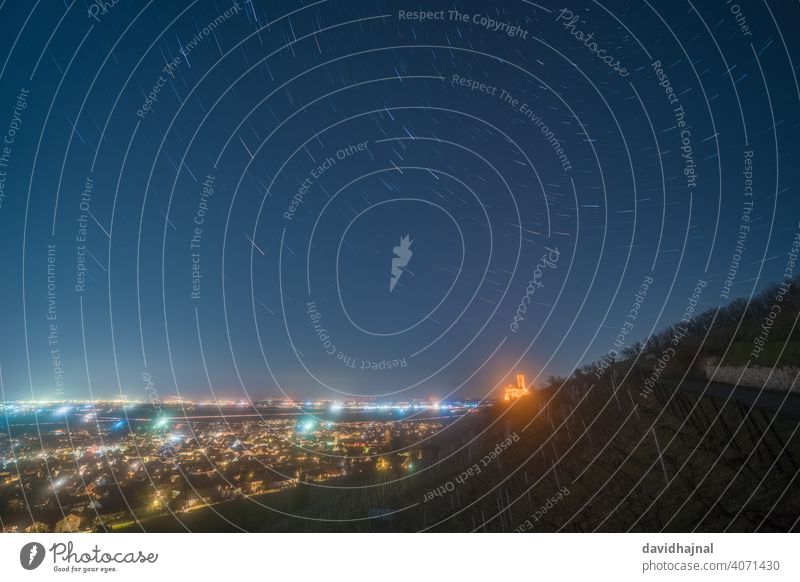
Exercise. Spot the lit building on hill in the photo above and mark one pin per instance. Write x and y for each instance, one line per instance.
(512, 392)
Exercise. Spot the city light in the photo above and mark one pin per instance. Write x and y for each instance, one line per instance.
(306, 426)
(252, 454)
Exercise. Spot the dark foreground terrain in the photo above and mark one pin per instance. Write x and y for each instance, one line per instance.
(577, 457)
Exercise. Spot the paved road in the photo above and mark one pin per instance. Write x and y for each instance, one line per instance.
(767, 399)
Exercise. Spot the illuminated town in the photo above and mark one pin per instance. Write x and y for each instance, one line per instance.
(93, 466)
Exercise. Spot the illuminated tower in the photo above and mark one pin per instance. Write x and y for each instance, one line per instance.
(513, 392)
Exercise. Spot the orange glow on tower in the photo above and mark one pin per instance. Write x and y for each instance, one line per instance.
(513, 392)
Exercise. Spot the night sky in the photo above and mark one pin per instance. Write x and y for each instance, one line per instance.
(212, 194)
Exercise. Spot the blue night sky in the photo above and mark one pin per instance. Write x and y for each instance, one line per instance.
(214, 198)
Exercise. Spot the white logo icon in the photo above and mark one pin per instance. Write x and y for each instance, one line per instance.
(402, 256)
(31, 555)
